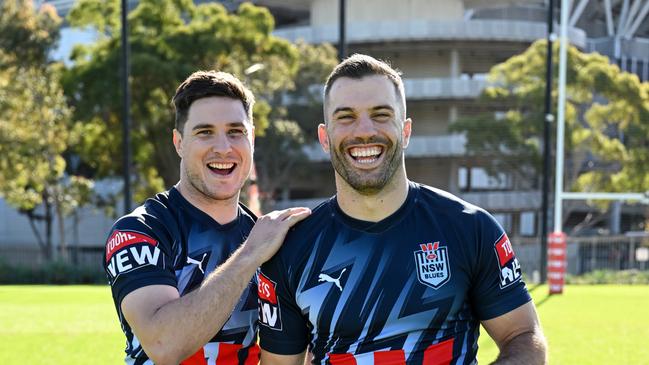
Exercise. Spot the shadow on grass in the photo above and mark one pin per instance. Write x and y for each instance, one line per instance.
(531, 290)
(540, 302)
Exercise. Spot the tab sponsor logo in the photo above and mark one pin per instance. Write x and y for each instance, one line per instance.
(510, 268)
(269, 311)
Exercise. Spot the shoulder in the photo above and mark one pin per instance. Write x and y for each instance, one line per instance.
(449, 205)
(300, 237)
(469, 223)
(151, 220)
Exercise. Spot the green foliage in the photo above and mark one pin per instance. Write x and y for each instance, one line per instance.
(36, 126)
(316, 63)
(34, 133)
(279, 155)
(55, 272)
(607, 122)
(169, 40)
(623, 277)
(27, 35)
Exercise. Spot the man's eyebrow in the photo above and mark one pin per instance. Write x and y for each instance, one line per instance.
(202, 126)
(236, 124)
(379, 107)
(343, 109)
(209, 126)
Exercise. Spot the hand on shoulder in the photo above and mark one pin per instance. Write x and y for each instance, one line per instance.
(270, 230)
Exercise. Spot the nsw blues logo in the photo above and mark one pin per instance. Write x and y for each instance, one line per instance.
(432, 265)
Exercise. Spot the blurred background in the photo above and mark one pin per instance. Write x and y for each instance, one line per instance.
(475, 75)
(475, 80)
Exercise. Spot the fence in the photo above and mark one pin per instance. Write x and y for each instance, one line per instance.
(33, 256)
(584, 254)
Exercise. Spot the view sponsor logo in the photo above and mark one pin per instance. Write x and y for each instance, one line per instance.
(127, 251)
(269, 312)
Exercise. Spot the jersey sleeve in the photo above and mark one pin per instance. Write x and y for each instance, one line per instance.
(136, 256)
(498, 286)
(283, 329)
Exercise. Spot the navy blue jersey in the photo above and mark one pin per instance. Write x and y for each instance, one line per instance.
(168, 241)
(410, 289)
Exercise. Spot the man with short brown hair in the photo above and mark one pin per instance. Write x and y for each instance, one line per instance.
(389, 271)
(180, 266)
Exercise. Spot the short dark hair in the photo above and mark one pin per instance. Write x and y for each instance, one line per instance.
(358, 66)
(203, 84)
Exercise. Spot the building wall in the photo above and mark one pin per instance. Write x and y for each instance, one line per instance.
(437, 173)
(428, 119)
(418, 63)
(325, 12)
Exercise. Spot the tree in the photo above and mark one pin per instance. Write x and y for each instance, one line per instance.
(607, 122)
(36, 128)
(169, 40)
(295, 116)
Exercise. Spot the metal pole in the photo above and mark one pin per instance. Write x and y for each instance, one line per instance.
(563, 55)
(126, 118)
(342, 43)
(546, 144)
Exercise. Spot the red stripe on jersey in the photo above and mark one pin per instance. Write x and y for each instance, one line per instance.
(253, 355)
(196, 359)
(228, 354)
(439, 353)
(121, 239)
(394, 357)
(342, 359)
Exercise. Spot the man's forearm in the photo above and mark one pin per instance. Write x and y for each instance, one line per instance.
(189, 322)
(526, 348)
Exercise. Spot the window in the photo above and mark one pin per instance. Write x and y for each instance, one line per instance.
(527, 224)
(479, 179)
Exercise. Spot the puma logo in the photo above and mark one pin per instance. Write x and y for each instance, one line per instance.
(197, 263)
(325, 277)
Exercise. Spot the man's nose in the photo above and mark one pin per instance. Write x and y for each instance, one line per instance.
(221, 144)
(364, 126)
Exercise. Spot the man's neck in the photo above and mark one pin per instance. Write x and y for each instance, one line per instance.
(222, 211)
(375, 207)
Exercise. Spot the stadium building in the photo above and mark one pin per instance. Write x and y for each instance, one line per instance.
(445, 49)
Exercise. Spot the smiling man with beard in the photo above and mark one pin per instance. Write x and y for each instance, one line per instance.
(181, 266)
(390, 271)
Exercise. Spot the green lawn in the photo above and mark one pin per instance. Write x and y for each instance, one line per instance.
(591, 324)
(78, 325)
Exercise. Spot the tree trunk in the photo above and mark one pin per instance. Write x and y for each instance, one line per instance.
(49, 252)
(63, 246)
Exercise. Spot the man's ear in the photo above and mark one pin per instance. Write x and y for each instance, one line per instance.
(177, 139)
(406, 132)
(323, 137)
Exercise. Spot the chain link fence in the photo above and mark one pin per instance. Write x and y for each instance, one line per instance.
(586, 254)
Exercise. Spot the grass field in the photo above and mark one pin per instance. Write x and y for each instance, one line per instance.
(78, 325)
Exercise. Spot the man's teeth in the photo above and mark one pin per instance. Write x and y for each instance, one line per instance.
(365, 151)
(221, 166)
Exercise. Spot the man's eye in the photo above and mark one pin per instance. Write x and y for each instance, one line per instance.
(345, 118)
(236, 132)
(204, 132)
(381, 116)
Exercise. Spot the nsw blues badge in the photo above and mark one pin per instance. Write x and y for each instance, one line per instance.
(432, 265)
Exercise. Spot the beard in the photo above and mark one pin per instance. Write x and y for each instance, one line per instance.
(200, 187)
(368, 182)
